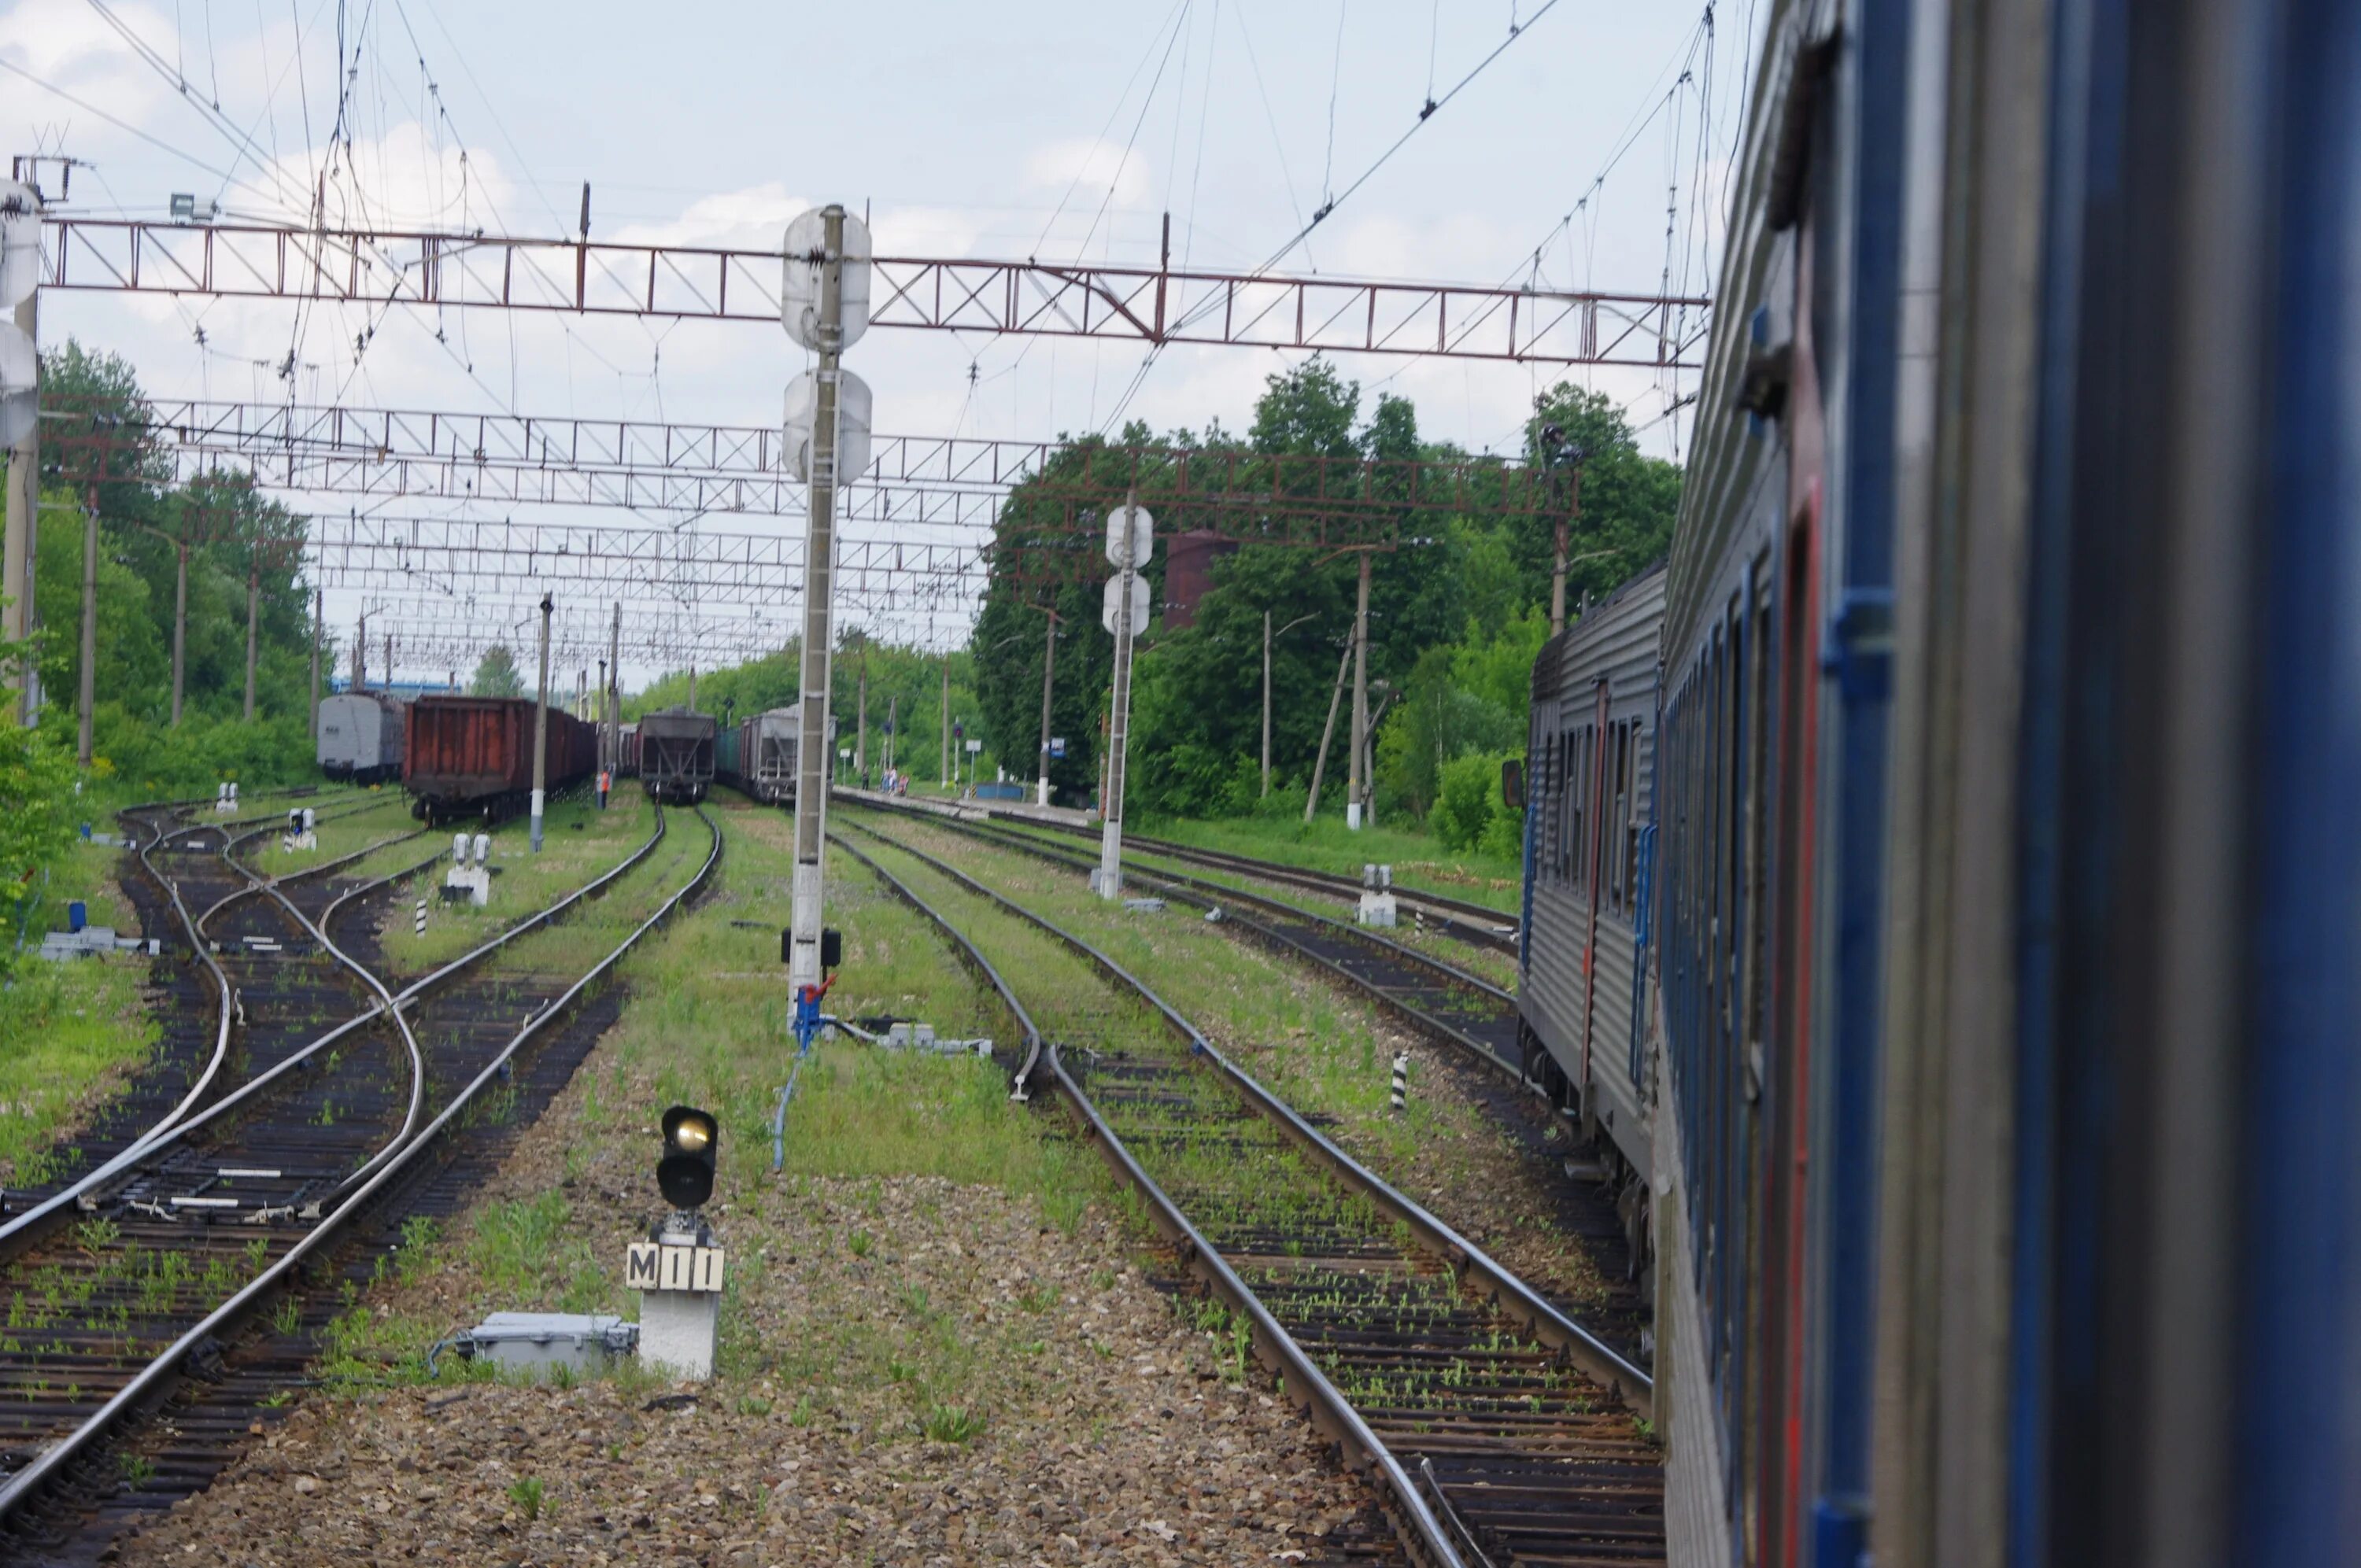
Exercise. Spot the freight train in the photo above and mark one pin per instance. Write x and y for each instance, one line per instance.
(1984, 829)
(675, 754)
(472, 756)
(758, 755)
(359, 736)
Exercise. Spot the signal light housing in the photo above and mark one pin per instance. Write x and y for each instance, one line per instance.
(684, 1174)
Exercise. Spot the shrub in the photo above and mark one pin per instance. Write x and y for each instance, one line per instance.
(1469, 800)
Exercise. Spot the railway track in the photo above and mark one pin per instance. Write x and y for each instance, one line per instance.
(160, 1300)
(192, 880)
(1494, 1429)
(1475, 923)
(1462, 1012)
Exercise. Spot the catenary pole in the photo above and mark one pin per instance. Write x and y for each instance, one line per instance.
(24, 504)
(1110, 878)
(179, 628)
(1355, 805)
(86, 707)
(1049, 675)
(1266, 702)
(947, 721)
(813, 762)
(318, 608)
(615, 690)
(540, 730)
(253, 621)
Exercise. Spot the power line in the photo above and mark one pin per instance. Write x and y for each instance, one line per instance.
(1330, 203)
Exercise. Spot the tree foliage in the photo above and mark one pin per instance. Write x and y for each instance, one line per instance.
(496, 674)
(905, 688)
(1458, 601)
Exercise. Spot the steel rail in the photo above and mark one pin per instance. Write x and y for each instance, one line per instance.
(1185, 889)
(1020, 1079)
(1600, 1360)
(1330, 1410)
(1488, 927)
(995, 832)
(319, 933)
(22, 1485)
(155, 1142)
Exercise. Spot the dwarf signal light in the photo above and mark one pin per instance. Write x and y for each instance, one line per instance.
(684, 1174)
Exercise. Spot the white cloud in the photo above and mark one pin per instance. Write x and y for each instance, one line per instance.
(752, 218)
(56, 38)
(1090, 167)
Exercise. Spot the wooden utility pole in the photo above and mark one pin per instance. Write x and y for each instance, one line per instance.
(1327, 732)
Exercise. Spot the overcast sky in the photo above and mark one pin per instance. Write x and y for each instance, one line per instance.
(1051, 129)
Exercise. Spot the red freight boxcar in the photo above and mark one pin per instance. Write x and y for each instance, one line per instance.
(468, 756)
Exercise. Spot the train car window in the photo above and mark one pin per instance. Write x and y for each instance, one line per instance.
(1631, 814)
(1556, 858)
(1579, 786)
(1618, 811)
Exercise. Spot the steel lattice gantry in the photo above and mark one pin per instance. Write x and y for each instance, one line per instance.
(1149, 305)
(429, 635)
(650, 465)
(680, 567)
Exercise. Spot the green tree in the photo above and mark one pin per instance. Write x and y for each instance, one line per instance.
(1626, 503)
(496, 674)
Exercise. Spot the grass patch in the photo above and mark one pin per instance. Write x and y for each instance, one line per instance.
(386, 817)
(1325, 844)
(1324, 1051)
(578, 842)
(69, 1032)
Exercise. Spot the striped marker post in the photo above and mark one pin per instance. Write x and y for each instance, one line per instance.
(419, 929)
(1402, 1080)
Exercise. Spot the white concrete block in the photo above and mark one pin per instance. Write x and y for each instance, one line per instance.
(677, 1329)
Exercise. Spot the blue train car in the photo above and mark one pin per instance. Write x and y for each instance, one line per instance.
(2006, 903)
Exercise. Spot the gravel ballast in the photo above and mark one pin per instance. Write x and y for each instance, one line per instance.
(1106, 1429)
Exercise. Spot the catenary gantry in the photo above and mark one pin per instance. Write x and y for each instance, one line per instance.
(1147, 305)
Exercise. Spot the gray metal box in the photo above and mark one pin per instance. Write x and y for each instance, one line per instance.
(584, 1343)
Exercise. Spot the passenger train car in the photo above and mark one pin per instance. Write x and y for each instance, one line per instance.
(359, 736)
(675, 754)
(2005, 912)
(472, 756)
(1580, 980)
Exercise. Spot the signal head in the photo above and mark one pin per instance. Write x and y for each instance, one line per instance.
(684, 1174)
